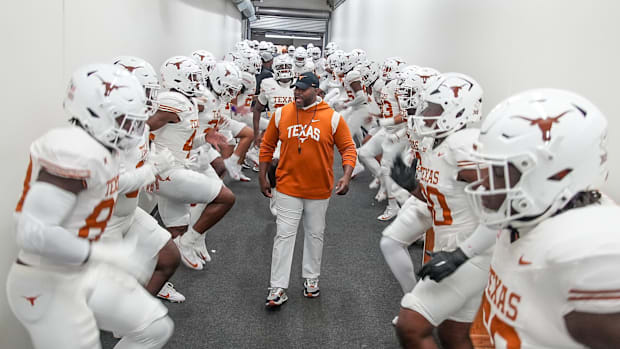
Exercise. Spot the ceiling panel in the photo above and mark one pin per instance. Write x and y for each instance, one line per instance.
(279, 23)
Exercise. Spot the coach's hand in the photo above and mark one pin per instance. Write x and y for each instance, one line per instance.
(442, 264)
(342, 187)
(265, 188)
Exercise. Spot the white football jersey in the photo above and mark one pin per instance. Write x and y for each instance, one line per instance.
(274, 94)
(177, 137)
(566, 263)
(308, 67)
(453, 218)
(70, 152)
(319, 68)
(126, 203)
(389, 105)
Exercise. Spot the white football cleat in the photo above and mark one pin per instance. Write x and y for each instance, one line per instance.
(374, 184)
(389, 213)
(169, 293)
(200, 247)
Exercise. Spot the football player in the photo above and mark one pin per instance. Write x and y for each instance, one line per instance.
(175, 126)
(414, 218)
(449, 105)
(65, 280)
(128, 219)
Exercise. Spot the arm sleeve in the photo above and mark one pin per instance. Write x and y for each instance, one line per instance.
(262, 97)
(479, 241)
(360, 98)
(134, 179)
(38, 226)
(343, 140)
(270, 139)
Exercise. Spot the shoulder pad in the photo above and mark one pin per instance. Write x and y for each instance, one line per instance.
(268, 84)
(70, 152)
(174, 102)
(461, 145)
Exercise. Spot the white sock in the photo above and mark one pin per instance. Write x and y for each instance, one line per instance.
(234, 158)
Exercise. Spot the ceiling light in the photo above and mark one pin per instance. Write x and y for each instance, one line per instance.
(278, 36)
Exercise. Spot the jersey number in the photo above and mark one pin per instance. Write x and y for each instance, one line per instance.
(497, 327)
(188, 144)
(93, 223)
(436, 201)
(388, 111)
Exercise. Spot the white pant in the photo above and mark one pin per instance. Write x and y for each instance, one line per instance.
(355, 116)
(65, 307)
(181, 187)
(413, 220)
(150, 236)
(456, 297)
(290, 211)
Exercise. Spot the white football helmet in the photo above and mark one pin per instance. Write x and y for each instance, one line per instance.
(330, 48)
(309, 46)
(553, 145)
(248, 80)
(246, 61)
(300, 56)
(263, 46)
(109, 103)
(369, 71)
(391, 68)
(147, 76)
(315, 53)
(226, 81)
(282, 68)
(242, 45)
(347, 63)
(206, 60)
(451, 102)
(412, 83)
(183, 74)
(291, 50)
(361, 54)
(335, 60)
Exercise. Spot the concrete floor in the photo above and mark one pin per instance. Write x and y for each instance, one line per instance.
(225, 303)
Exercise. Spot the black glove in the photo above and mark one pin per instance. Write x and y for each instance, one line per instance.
(404, 175)
(442, 264)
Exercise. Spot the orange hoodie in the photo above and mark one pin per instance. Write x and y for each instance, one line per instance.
(308, 136)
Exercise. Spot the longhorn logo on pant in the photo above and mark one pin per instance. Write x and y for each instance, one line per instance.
(31, 299)
(544, 124)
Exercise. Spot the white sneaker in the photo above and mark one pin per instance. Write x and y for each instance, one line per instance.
(188, 254)
(200, 247)
(374, 184)
(276, 297)
(389, 213)
(252, 155)
(359, 168)
(243, 178)
(233, 169)
(311, 288)
(170, 294)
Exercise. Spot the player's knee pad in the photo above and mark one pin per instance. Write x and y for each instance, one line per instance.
(154, 336)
